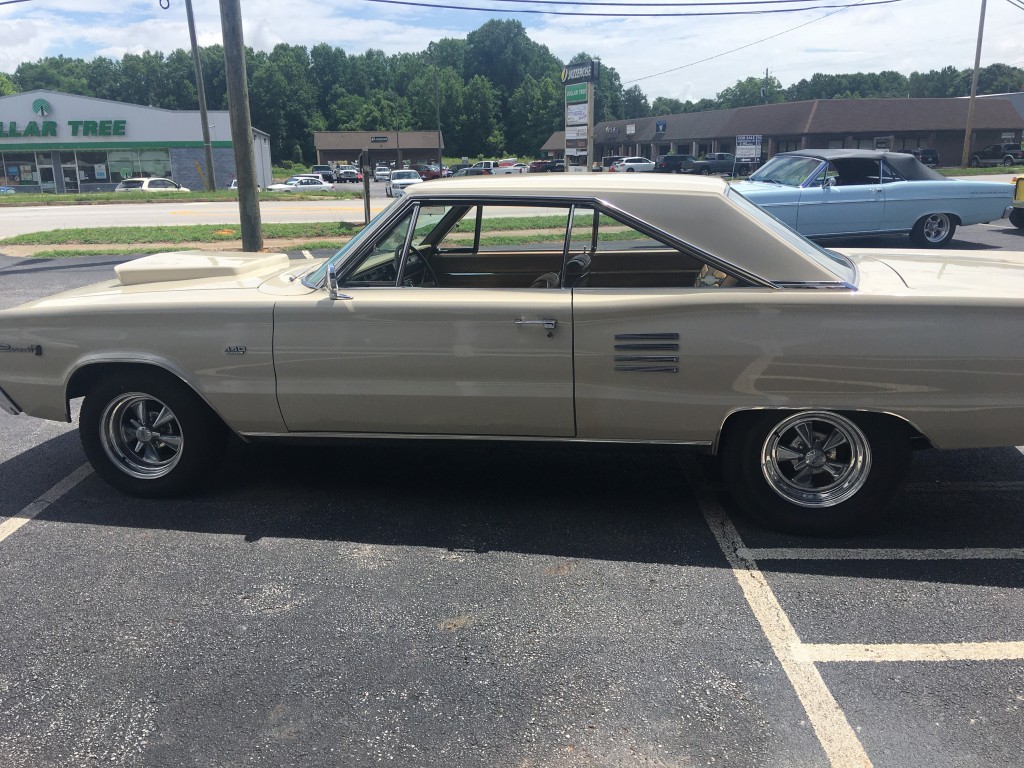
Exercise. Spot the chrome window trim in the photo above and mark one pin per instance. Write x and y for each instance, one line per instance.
(8, 405)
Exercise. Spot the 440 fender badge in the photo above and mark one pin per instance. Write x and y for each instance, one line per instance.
(35, 349)
(239, 350)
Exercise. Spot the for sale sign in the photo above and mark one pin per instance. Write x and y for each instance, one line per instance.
(748, 149)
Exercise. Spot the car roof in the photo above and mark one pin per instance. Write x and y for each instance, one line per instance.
(908, 165)
(682, 205)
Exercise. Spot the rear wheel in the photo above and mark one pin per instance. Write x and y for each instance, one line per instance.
(1017, 218)
(705, 171)
(148, 434)
(933, 230)
(814, 472)
(974, 162)
(1007, 161)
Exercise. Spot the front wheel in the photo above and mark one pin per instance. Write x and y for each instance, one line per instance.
(814, 472)
(148, 434)
(1017, 218)
(974, 162)
(933, 230)
(705, 171)
(1007, 162)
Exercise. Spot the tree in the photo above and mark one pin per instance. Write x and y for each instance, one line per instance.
(751, 92)
(501, 51)
(665, 106)
(477, 132)
(634, 103)
(7, 86)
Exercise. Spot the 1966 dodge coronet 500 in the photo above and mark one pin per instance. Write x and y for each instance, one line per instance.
(824, 193)
(634, 308)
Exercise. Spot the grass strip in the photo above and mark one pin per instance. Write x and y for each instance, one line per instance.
(189, 233)
(134, 198)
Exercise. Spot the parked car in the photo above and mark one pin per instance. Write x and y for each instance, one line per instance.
(149, 184)
(401, 180)
(539, 166)
(609, 160)
(381, 173)
(301, 183)
(347, 173)
(472, 172)
(810, 374)
(557, 166)
(998, 154)
(718, 163)
(426, 172)
(927, 155)
(500, 166)
(325, 172)
(1017, 214)
(7, 190)
(824, 193)
(633, 164)
(674, 163)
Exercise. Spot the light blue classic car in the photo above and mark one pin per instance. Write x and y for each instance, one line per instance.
(827, 193)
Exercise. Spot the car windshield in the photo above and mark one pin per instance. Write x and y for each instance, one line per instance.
(131, 184)
(834, 262)
(789, 170)
(405, 175)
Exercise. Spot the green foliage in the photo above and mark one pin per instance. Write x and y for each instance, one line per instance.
(495, 91)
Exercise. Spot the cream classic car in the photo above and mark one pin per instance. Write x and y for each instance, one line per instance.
(653, 309)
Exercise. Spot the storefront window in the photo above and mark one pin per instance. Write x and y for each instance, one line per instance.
(19, 168)
(122, 164)
(92, 167)
(155, 162)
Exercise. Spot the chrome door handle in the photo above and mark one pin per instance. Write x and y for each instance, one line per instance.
(548, 324)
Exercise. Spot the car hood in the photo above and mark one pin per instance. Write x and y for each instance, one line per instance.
(177, 274)
(951, 273)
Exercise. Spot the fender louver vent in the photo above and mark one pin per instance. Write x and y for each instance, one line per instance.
(638, 343)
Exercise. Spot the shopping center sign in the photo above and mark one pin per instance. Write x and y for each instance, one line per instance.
(41, 128)
(584, 72)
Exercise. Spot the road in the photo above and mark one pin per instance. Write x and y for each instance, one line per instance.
(22, 220)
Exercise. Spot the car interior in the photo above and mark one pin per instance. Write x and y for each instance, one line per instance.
(540, 247)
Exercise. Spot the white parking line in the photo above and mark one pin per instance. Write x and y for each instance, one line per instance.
(796, 553)
(12, 524)
(911, 652)
(837, 738)
(306, 254)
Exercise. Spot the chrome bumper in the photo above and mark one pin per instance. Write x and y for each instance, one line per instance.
(6, 404)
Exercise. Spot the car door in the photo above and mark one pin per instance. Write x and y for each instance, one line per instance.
(846, 197)
(461, 345)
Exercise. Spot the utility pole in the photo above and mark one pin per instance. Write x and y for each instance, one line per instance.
(974, 91)
(211, 179)
(241, 125)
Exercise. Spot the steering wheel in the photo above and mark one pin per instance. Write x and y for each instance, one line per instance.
(425, 268)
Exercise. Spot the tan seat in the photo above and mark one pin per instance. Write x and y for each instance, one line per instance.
(709, 277)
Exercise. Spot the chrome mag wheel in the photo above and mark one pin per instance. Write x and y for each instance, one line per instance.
(816, 459)
(141, 435)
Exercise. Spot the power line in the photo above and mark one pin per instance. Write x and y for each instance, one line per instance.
(740, 48)
(439, 6)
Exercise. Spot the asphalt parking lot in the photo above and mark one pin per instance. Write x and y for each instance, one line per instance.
(497, 605)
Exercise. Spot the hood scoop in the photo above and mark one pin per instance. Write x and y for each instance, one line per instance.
(193, 265)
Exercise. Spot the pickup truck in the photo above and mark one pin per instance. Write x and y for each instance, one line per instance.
(998, 154)
(714, 162)
(499, 166)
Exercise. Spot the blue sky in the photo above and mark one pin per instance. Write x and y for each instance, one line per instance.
(906, 36)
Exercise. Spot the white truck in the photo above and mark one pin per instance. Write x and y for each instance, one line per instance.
(510, 165)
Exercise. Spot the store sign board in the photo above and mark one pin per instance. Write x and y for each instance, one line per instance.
(576, 132)
(49, 128)
(576, 94)
(576, 114)
(584, 72)
(748, 148)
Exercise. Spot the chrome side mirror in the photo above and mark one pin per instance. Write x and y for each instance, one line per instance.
(830, 181)
(332, 284)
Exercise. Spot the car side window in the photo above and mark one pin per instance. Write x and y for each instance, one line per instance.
(605, 252)
(380, 264)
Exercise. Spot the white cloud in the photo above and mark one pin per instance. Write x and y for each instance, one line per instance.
(905, 36)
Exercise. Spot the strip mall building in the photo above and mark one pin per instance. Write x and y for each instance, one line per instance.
(58, 142)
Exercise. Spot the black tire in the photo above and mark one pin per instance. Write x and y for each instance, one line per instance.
(149, 435)
(836, 486)
(1007, 161)
(705, 171)
(1017, 218)
(974, 162)
(934, 230)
